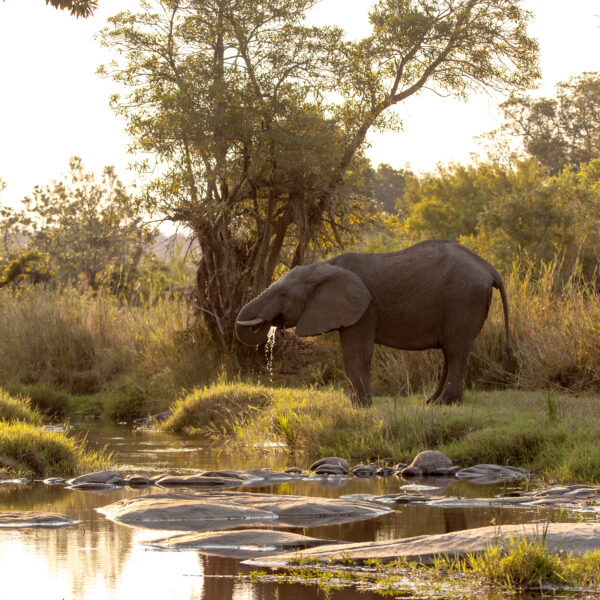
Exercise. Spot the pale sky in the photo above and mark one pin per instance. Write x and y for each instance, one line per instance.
(53, 105)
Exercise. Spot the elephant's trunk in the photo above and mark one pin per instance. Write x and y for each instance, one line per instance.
(250, 328)
(252, 335)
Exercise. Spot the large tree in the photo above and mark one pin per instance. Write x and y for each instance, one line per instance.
(257, 121)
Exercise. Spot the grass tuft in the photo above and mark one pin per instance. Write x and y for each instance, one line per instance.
(17, 408)
(33, 452)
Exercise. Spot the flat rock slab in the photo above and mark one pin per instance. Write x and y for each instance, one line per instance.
(243, 543)
(228, 510)
(577, 538)
(33, 519)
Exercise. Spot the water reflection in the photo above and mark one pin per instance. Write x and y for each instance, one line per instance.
(100, 559)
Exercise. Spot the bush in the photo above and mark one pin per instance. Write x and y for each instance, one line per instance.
(48, 401)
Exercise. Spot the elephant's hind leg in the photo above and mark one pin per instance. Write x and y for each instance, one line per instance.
(453, 388)
(441, 383)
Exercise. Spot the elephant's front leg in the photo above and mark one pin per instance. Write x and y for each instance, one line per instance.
(357, 343)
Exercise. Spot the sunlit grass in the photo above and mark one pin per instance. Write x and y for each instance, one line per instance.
(16, 408)
(30, 451)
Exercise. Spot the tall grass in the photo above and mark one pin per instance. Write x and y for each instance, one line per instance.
(86, 343)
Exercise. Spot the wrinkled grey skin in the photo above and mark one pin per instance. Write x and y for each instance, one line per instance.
(435, 294)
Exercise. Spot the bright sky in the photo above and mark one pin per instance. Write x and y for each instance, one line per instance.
(53, 105)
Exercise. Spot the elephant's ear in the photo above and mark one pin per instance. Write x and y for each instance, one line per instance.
(339, 300)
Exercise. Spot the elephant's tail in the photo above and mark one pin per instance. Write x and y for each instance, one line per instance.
(500, 287)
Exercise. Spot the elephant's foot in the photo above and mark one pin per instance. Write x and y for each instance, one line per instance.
(448, 399)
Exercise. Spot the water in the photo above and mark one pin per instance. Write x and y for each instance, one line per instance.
(101, 559)
(270, 344)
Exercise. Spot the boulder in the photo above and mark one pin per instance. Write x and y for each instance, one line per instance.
(431, 462)
(294, 471)
(240, 543)
(577, 538)
(331, 460)
(33, 519)
(228, 510)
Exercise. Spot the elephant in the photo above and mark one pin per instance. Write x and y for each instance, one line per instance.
(434, 294)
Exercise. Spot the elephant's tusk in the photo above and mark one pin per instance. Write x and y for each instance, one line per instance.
(251, 323)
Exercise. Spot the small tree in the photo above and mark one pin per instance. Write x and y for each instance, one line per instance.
(87, 228)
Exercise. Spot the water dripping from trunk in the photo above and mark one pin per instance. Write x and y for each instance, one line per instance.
(269, 351)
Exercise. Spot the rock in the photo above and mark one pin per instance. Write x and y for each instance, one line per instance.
(363, 471)
(106, 477)
(139, 480)
(331, 470)
(8, 462)
(411, 471)
(19, 481)
(228, 510)
(33, 519)
(161, 416)
(197, 481)
(331, 460)
(294, 471)
(54, 481)
(577, 538)
(431, 462)
(486, 474)
(385, 471)
(90, 486)
(399, 466)
(239, 544)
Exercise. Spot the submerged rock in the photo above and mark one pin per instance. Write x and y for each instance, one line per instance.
(105, 477)
(577, 538)
(33, 519)
(363, 471)
(239, 544)
(228, 510)
(486, 474)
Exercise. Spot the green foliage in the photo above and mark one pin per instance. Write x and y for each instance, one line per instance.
(525, 563)
(511, 214)
(90, 230)
(38, 453)
(14, 407)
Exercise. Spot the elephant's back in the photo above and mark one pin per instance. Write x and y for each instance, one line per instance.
(416, 290)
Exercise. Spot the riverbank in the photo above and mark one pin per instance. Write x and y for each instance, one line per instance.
(552, 435)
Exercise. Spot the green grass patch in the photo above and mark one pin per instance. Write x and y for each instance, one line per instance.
(29, 451)
(556, 440)
(17, 408)
(519, 565)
